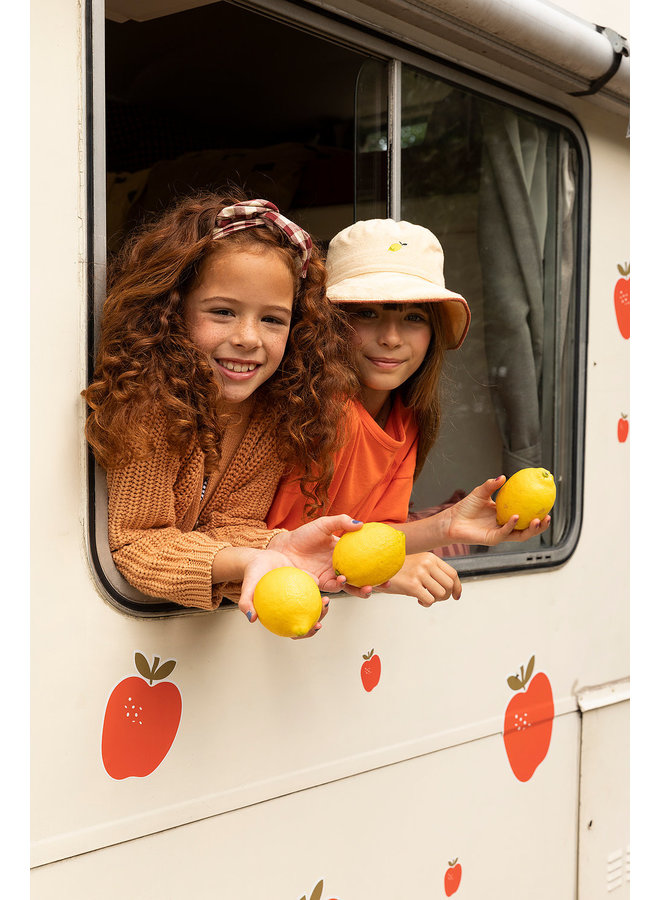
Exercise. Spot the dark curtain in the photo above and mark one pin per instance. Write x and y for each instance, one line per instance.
(512, 223)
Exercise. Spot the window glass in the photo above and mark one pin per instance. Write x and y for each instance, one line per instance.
(184, 111)
(497, 186)
(371, 140)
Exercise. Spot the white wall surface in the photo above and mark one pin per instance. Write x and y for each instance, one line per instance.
(389, 834)
(604, 833)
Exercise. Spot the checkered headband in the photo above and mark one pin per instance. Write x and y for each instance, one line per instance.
(263, 212)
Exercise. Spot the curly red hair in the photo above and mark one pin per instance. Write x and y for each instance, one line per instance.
(145, 355)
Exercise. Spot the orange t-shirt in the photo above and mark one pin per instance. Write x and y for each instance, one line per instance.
(373, 472)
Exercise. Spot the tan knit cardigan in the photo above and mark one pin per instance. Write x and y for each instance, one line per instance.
(164, 537)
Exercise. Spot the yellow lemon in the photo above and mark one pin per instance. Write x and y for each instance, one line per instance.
(371, 555)
(529, 493)
(396, 246)
(287, 601)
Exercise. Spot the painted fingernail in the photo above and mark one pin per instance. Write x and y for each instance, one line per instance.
(356, 522)
(249, 615)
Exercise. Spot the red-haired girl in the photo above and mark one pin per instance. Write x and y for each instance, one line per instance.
(220, 365)
(388, 278)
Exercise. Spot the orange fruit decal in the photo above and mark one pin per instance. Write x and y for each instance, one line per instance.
(453, 877)
(141, 721)
(528, 721)
(370, 671)
(622, 428)
(622, 300)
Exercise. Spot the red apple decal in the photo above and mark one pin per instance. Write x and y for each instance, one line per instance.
(528, 721)
(622, 428)
(141, 721)
(622, 300)
(453, 877)
(370, 671)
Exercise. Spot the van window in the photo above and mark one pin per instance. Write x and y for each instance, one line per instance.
(498, 187)
(361, 128)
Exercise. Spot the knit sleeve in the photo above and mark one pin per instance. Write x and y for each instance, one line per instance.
(237, 511)
(148, 548)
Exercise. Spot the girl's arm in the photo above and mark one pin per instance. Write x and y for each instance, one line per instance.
(247, 565)
(151, 551)
(426, 577)
(308, 547)
(470, 521)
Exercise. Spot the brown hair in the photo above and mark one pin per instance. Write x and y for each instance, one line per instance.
(146, 356)
(421, 390)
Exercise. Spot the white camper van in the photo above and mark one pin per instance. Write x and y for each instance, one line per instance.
(478, 748)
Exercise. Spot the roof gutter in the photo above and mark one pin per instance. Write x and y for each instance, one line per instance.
(534, 37)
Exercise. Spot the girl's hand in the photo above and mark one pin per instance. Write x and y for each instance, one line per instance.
(310, 547)
(426, 577)
(265, 561)
(473, 519)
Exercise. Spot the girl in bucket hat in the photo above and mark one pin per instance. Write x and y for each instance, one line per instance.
(388, 278)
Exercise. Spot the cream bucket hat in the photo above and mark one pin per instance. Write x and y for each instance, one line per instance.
(383, 261)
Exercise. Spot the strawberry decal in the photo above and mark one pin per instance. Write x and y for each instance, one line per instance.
(528, 721)
(370, 671)
(141, 721)
(622, 428)
(316, 893)
(622, 300)
(453, 877)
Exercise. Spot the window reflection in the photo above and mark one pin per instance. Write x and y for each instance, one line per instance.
(498, 189)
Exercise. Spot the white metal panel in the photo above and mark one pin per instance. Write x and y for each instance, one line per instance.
(599, 695)
(388, 834)
(604, 832)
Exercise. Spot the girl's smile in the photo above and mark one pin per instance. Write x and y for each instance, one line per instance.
(385, 363)
(236, 369)
(239, 315)
(391, 340)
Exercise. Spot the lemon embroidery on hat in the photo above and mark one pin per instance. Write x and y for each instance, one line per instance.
(396, 246)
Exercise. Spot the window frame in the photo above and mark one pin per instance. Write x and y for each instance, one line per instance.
(396, 53)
